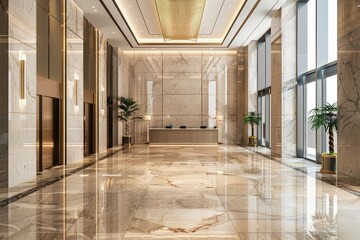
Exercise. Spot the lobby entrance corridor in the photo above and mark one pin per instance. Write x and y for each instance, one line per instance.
(184, 192)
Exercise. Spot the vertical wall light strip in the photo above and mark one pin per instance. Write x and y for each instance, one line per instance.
(63, 111)
(76, 83)
(97, 90)
(22, 80)
(64, 85)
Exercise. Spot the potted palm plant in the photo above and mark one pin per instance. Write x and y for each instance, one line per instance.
(127, 108)
(252, 118)
(326, 116)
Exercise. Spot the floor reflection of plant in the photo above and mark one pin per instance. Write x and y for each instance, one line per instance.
(323, 226)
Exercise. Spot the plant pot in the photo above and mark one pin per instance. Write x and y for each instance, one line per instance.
(126, 140)
(252, 141)
(328, 164)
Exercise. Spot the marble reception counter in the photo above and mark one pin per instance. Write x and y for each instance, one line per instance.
(194, 136)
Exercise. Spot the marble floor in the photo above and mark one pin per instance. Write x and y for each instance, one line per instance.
(224, 192)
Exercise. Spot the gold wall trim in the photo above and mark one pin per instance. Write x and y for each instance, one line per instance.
(96, 97)
(63, 85)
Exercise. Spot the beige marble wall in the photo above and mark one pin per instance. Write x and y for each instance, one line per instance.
(102, 92)
(75, 68)
(183, 88)
(21, 118)
(348, 165)
(242, 95)
(252, 79)
(288, 105)
(276, 86)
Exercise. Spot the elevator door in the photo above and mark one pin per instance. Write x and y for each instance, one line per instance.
(48, 132)
(89, 145)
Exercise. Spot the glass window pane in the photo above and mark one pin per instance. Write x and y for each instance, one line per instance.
(311, 35)
(331, 97)
(310, 139)
(332, 30)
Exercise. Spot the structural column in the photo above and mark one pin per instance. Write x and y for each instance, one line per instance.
(348, 164)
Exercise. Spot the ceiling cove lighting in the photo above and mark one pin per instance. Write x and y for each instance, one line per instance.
(180, 19)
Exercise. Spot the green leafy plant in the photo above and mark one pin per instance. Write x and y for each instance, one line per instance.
(127, 108)
(252, 118)
(325, 116)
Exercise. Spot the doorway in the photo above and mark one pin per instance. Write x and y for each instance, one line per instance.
(89, 114)
(48, 136)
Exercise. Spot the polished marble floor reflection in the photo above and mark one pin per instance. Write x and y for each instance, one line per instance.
(196, 192)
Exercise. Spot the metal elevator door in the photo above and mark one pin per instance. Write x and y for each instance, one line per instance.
(48, 142)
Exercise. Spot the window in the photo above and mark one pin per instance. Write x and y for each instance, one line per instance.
(317, 79)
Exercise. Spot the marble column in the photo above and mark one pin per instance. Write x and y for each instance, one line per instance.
(348, 164)
(288, 108)
(75, 84)
(17, 118)
(276, 86)
(252, 79)
(102, 92)
(242, 95)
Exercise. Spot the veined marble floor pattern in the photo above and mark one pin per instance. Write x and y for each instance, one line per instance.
(224, 192)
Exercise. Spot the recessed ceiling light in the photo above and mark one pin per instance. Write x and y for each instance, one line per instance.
(113, 32)
(130, 6)
(95, 10)
(93, 6)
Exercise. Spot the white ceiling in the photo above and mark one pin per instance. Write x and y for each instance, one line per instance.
(226, 24)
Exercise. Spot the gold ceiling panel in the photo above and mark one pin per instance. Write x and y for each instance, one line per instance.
(180, 19)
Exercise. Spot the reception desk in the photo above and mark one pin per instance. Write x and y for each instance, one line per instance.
(187, 136)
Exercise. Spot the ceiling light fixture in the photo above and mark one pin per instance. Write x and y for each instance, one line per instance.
(179, 19)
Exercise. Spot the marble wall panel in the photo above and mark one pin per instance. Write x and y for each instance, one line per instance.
(242, 93)
(22, 21)
(21, 117)
(75, 97)
(226, 83)
(276, 92)
(252, 79)
(148, 62)
(219, 62)
(182, 83)
(148, 83)
(151, 105)
(181, 62)
(102, 93)
(348, 166)
(182, 105)
(288, 41)
(252, 75)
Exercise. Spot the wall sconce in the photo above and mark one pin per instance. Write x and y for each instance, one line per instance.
(220, 118)
(76, 85)
(102, 101)
(22, 80)
(147, 118)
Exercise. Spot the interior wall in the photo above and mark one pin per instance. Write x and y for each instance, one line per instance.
(276, 86)
(252, 79)
(348, 165)
(242, 95)
(288, 108)
(102, 50)
(184, 88)
(75, 93)
(21, 118)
